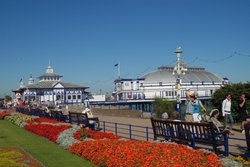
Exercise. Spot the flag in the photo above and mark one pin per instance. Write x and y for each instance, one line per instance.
(116, 65)
(21, 80)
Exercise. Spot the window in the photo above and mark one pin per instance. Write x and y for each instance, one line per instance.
(170, 93)
(126, 84)
(74, 97)
(79, 97)
(69, 97)
(58, 97)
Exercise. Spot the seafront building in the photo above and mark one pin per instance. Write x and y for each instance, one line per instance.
(166, 82)
(51, 88)
(162, 83)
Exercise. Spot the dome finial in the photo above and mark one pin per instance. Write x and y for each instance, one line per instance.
(31, 80)
(49, 69)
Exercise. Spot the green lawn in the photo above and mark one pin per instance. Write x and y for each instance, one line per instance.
(47, 152)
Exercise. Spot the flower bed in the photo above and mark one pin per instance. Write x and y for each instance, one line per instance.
(49, 131)
(66, 138)
(42, 120)
(3, 114)
(17, 157)
(19, 119)
(128, 153)
(89, 133)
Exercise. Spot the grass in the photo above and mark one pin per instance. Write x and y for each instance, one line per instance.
(45, 151)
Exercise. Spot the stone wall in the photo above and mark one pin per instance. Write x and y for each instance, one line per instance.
(117, 112)
(108, 112)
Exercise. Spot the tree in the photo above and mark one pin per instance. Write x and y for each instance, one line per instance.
(8, 98)
(235, 90)
(163, 105)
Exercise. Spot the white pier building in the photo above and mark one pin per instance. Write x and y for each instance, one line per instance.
(51, 89)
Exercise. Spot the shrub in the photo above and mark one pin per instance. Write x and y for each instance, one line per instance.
(66, 138)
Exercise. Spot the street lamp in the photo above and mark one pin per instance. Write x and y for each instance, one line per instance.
(178, 69)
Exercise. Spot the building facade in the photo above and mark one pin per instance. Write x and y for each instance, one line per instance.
(169, 83)
(162, 84)
(51, 88)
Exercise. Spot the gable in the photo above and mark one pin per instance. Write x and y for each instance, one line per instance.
(58, 85)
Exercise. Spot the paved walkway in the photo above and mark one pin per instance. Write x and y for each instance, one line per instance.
(235, 141)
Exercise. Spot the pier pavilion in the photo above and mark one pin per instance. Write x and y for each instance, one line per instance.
(51, 89)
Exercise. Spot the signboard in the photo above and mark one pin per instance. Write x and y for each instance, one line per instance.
(18, 95)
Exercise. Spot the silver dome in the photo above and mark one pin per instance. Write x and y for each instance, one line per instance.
(194, 75)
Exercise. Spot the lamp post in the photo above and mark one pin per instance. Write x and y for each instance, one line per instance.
(178, 69)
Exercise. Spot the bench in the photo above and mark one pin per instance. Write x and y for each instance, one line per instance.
(35, 111)
(24, 110)
(247, 134)
(58, 115)
(20, 109)
(189, 133)
(84, 120)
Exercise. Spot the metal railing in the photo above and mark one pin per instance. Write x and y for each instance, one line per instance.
(128, 131)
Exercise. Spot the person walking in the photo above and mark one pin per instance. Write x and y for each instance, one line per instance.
(197, 108)
(226, 112)
(242, 104)
(194, 106)
(190, 107)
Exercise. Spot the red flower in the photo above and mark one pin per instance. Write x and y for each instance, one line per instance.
(49, 131)
(126, 153)
(3, 114)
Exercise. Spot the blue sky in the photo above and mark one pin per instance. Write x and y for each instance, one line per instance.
(84, 39)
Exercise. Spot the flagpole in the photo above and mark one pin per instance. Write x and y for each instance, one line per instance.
(119, 70)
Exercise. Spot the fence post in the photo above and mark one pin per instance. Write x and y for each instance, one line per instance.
(147, 133)
(104, 130)
(130, 131)
(116, 129)
(226, 145)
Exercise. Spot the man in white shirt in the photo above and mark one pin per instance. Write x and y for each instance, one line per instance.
(94, 122)
(89, 113)
(226, 112)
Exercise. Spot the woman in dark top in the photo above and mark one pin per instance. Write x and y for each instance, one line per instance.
(243, 111)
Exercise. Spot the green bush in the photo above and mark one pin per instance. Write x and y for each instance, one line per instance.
(163, 105)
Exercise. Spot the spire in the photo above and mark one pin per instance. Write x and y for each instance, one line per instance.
(180, 68)
(49, 69)
(31, 80)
